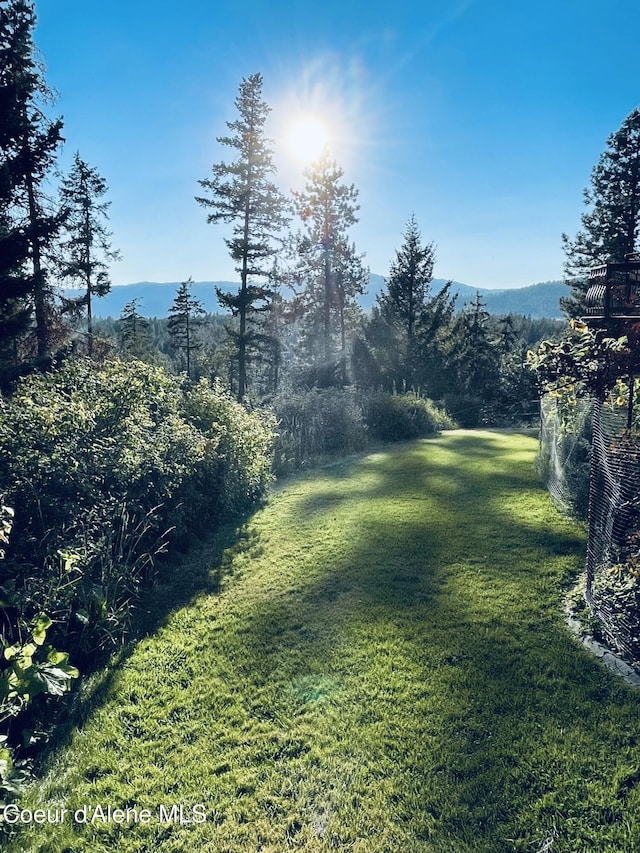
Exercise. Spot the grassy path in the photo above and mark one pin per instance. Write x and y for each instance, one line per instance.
(385, 668)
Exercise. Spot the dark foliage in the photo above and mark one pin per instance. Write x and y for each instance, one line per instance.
(611, 224)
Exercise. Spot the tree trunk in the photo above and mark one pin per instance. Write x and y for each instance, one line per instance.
(327, 307)
(39, 295)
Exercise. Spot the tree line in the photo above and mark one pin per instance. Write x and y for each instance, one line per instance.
(44, 240)
(294, 321)
(300, 326)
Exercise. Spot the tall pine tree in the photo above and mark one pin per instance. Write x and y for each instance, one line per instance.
(611, 224)
(408, 283)
(330, 273)
(406, 330)
(242, 193)
(133, 331)
(475, 363)
(29, 144)
(85, 248)
(184, 319)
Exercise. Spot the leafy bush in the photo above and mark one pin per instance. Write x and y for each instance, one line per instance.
(402, 416)
(317, 424)
(236, 476)
(327, 423)
(104, 469)
(616, 595)
(27, 670)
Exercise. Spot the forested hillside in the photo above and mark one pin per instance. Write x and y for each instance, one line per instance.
(155, 298)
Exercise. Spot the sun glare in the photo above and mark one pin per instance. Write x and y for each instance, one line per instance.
(307, 138)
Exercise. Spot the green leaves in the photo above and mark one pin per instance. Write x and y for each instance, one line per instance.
(6, 523)
(587, 361)
(55, 679)
(28, 670)
(33, 668)
(99, 464)
(40, 629)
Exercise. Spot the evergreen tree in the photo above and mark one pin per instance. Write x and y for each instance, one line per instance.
(375, 359)
(15, 287)
(408, 283)
(85, 249)
(506, 336)
(416, 314)
(405, 336)
(184, 318)
(330, 274)
(272, 338)
(517, 395)
(475, 363)
(610, 225)
(133, 331)
(29, 145)
(242, 193)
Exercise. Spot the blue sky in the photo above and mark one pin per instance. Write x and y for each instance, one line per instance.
(483, 118)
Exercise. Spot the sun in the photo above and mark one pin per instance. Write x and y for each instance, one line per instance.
(306, 138)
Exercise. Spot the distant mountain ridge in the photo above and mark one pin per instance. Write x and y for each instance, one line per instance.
(534, 300)
(156, 298)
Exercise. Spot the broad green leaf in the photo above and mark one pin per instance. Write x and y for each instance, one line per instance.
(39, 633)
(11, 651)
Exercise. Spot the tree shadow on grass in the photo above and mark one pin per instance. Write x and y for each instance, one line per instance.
(455, 478)
(180, 578)
(434, 580)
(519, 688)
(389, 562)
(532, 719)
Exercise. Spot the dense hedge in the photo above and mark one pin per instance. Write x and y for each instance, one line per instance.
(314, 425)
(101, 469)
(401, 417)
(105, 467)
(324, 423)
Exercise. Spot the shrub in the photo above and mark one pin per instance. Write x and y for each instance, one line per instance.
(469, 411)
(327, 423)
(237, 474)
(28, 669)
(315, 425)
(402, 416)
(104, 468)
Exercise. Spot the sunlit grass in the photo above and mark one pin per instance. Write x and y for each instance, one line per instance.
(384, 668)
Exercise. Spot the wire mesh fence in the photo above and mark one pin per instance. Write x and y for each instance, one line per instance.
(564, 457)
(590, 459)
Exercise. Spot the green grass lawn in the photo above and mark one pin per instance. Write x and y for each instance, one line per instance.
(383, 667)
